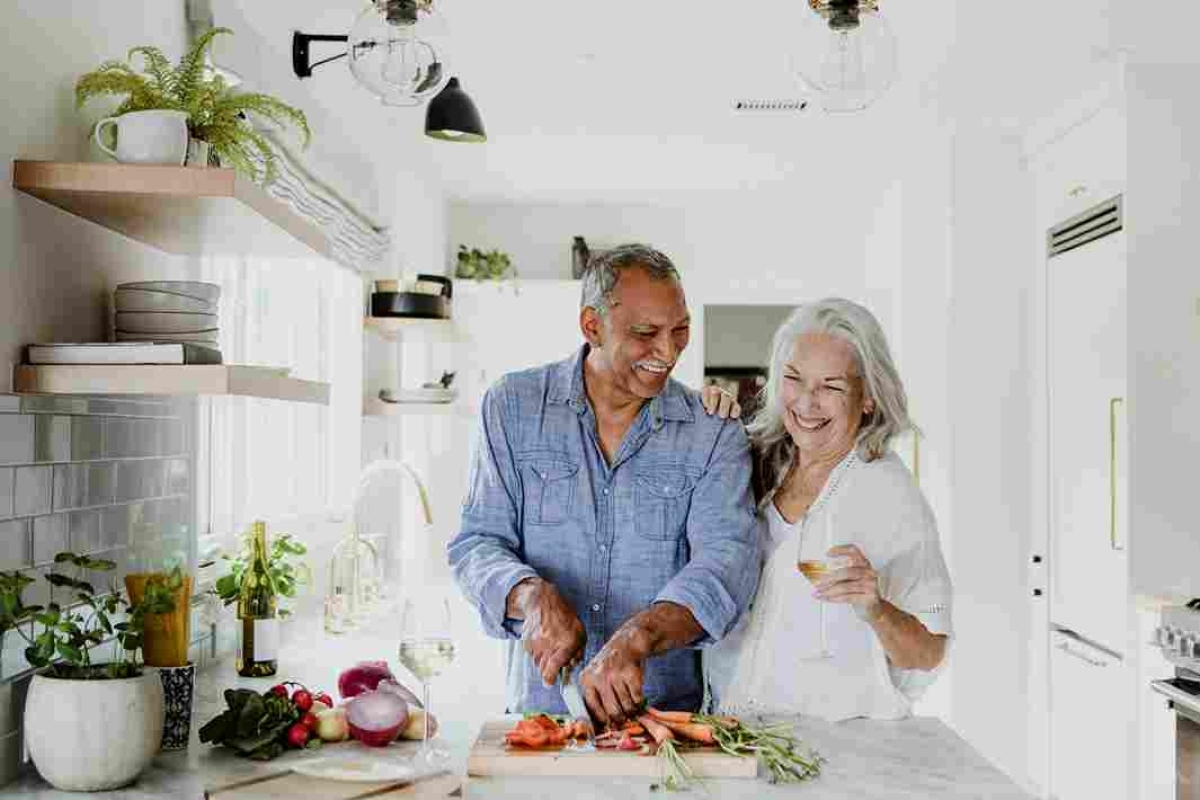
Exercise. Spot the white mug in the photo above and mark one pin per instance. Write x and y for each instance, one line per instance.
(148, 137)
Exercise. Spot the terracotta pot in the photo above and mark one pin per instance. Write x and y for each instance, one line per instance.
(165, 637)
(93, 735)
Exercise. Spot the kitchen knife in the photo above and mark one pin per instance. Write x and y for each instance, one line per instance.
(568, 684)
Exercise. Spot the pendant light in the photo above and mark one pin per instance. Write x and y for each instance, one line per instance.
(847, 55)
(394, 52)
(453, 117)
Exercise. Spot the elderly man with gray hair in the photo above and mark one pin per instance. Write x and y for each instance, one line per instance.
(609, 520)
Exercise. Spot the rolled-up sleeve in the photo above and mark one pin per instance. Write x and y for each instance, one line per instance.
(719, 579)
(485, 555)
(918, 583)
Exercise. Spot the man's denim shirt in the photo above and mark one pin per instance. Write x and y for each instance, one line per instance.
(672, 519)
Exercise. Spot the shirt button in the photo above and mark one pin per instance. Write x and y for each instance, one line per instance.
(603, 548)
(606, 490)
(595, 606)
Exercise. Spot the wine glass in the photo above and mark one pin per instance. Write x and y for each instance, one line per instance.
(816, 569)
(426, 649)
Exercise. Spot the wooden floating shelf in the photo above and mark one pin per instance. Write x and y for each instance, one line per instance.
(165, 380)
(180, 210)
(392, 328)
(374, 407)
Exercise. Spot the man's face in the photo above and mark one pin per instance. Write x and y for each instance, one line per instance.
(643, 334)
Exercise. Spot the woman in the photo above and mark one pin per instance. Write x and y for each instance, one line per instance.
(867, 637)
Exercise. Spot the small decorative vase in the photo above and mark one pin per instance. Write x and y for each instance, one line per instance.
(198, 154)
(178, 685)
(579, 257)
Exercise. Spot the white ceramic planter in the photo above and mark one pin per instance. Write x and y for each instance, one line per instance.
(93, 735)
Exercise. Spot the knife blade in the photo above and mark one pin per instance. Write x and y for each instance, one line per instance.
(568, 684)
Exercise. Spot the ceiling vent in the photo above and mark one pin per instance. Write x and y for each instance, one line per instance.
(1095, 223)
(764, 106)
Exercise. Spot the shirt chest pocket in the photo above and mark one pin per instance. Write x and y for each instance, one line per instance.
(662, 497)
(549, 488)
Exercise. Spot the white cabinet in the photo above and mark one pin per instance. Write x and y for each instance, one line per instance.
(1090, 723)
(1086, 364)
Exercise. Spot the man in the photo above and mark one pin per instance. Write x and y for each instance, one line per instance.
(609, 520)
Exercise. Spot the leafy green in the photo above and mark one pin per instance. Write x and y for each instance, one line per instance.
(69, 632)
(254, 724)
(216, 113)
(475, 263)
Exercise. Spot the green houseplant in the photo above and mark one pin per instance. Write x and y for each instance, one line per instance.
(73, 697)
(216, 113)
(287, 569)
(492, 265)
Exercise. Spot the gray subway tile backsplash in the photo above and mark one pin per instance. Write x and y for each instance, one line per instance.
(16, 439)
(10, 403)
(6, 492)
(50, 537)
(87, 438)
(14, 544)
(51, 438)
(33, 491)
(83, 528)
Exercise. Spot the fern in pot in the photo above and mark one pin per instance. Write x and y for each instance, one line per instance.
(88, 726)
(217, 115)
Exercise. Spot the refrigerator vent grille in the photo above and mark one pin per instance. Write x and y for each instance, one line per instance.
(785, 105)
(1095, 223)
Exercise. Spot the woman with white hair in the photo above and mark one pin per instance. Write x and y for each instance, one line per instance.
(852, 614)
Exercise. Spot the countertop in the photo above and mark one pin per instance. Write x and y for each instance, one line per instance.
(918, 757)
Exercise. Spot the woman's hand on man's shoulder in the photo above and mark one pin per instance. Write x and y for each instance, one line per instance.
(720, 402)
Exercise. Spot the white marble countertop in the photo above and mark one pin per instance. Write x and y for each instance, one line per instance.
(913, 758)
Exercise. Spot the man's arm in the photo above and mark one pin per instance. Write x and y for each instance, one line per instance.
(701, 603)
(485, 560)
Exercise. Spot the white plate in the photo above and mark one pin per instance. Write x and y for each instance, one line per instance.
(208, 292)
(358, 768)
(165, 322)
(146, 300)
(202, 337)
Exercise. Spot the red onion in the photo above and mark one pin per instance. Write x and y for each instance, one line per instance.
(395, 687)
(363, 677)
(376, 718)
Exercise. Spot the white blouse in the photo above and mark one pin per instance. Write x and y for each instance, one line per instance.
(782, 657)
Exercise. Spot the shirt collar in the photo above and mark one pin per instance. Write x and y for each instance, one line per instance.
(566, 386)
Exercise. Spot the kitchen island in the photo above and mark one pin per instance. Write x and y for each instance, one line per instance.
(898, 760)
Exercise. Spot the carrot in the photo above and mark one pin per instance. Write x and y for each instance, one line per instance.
(671, 716)
(660, 732)
(696, 731)
(634, 728)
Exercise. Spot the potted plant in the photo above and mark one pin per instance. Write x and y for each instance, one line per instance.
(216, 114)
(476, 264)
(72, 699)
(288, 570)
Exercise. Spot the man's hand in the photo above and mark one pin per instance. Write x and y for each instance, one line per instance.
(612, 683)
(552, 635)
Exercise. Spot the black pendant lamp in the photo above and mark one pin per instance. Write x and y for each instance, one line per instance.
(452, 116)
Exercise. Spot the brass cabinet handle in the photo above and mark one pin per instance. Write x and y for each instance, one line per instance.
(1112, 471)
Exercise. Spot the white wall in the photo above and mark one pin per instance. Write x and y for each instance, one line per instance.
(989, 416)
(1163, 200)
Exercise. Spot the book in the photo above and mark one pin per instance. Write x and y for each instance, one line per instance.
(122, 353)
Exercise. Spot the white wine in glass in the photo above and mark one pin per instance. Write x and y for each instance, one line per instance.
(426, 649)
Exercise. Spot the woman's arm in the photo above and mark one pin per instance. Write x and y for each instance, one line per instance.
(905, 639)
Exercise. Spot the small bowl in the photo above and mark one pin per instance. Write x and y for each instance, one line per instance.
(164, 322)
(146, 300)
(208, 292)
(199, 337)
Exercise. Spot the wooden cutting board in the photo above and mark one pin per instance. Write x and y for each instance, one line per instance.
(490, 756)
(288, 785)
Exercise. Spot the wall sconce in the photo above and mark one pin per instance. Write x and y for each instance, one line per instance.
(394, 54)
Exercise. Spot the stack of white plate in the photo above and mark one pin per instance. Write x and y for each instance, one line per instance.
(168, 311)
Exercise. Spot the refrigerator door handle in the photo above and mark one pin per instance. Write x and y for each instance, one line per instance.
(1112, 472)
(1095, 662)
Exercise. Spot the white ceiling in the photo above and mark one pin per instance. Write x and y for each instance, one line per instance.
(622, 100)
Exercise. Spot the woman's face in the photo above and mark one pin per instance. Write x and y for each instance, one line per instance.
(823, 396)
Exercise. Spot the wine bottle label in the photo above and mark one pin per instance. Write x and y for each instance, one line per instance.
(266, 639)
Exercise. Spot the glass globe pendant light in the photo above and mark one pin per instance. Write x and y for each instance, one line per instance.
(394, 53)
(847, 56)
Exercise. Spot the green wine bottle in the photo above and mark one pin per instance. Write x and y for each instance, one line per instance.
(259, 644)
